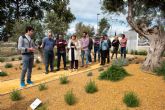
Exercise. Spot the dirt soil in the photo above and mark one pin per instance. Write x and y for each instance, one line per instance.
(149, 88)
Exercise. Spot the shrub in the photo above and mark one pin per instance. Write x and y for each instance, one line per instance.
(136, 52)
(41, 107)
(15, 95)
(89, 73)
(42, 87)
(2, 60)
(91, 87)
(3, 73)
(8, 65)
(131, 99)
(38, 61)
(101, 69)
(39, 68)
(114, 73)
(120, 62)
(19, 58)
(160, 70)
(12, 59)
(132, 52)
(64, 80)
(69, 98)
(142, 52)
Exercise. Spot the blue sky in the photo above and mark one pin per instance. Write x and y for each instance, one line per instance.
(86, 12)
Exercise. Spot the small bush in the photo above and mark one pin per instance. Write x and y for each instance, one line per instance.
(42, 107)
(136, 52)
(2, 60)
(89, 74)
(39, 68)
(8, 65)
(70, 98)
(19, 58)
(15, 95)
(38, 61)
(120, 62)
(91, 87)
(114, 73)
(42, 87)
(160, 70)
(12, 59)
(3, 73)
(131, 99)
(142, 52)
(64, 80)
(101, 69)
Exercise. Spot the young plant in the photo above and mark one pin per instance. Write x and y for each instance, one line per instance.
(90, 74)
(12, 59)
(8, 65)
(42, 107)
(3, 73)
(38, 61)
(70, 98)
(42, 87)
(2, 60)
(15, 95)
(64, 80)
(131, 99)
(91, 87)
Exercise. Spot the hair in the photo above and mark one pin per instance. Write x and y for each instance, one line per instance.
(123, 35)
(74, 36)
(29, 28)
(85, 33)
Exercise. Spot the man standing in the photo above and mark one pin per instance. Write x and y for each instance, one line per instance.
(61, 51)
(96, 48)
(109, 48)
(84, 48)
(123, 43)
(90, 46)
(48, 44)
(27, 47)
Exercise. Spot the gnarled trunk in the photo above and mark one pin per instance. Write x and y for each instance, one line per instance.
(155, 52)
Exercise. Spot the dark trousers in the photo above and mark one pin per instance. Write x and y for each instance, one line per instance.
(115, 51)
(59, 55)
(103, 56)
(49, 60)
(108, 55)
(74, 64)
(89, 56)
(123, 51)
(96, 52)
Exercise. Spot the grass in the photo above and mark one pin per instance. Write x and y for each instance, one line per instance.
(3, 73)
(42, 87)
(63, 80)
(90, 74)
(70, 98)
(2, 60)
(15, 95)
(42, 107)
(114, 73)
(101, 69)
(8, 65)
(91, 87)
(131, 99)
(160, 70)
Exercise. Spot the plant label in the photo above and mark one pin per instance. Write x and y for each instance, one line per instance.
(35, 104)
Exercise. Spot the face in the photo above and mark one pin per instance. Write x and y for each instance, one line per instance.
(84, 34)
(73, 37)
(30, 33)
(49, 34)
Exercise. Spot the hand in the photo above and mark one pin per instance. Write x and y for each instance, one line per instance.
(31, 49)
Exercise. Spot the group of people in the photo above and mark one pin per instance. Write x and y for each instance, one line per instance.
(74, 47)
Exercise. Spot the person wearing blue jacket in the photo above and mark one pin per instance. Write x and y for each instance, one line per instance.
(103, 49)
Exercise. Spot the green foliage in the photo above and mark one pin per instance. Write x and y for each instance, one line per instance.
(19, 58)
(131, 99)
(12, 59)
(42, 87)
(103, 24)
(120, 62)
(42, 107)
(114, 73)
(91, 87)
(3, 73)
(2, 60)
(80, 28)
(64, 80)
(101, 69)
(160, 70)
(70, 98)
(89, 73)
(38, 61)
(8, 65)
(15, 95)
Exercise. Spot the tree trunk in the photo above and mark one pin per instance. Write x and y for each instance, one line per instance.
(155, 52)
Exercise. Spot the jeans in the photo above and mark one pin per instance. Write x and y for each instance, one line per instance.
(103, 56)
(123, 51)
(96, 51)
(74, 64)
(27, 67)
(59, 55)
(108, 55)
(49, 60)
(84, 53)
(89, 56)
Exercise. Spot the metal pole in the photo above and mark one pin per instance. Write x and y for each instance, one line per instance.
(97, 22)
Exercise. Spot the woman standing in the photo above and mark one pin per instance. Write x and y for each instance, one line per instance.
(74, 52)
(115, 44)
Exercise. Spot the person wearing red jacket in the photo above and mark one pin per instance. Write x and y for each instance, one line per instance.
(61, 51)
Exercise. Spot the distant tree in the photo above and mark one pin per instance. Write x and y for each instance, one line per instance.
(146, 17)
(103, 24)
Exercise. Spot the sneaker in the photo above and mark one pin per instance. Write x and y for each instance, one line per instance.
(90, 63)
(22, 84)
(29, 82)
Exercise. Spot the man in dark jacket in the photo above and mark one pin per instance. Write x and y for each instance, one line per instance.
(61, 51)
(96, 48)
(109, 48)
(90, 46)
